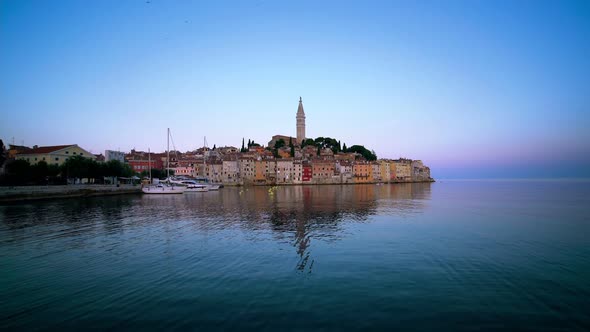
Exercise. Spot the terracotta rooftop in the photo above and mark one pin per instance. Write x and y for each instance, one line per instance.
(47, 149)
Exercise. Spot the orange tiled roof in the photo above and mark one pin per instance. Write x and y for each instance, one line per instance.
(47, 149)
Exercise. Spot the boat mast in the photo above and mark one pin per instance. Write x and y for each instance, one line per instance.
(168, 155)
(150, 164)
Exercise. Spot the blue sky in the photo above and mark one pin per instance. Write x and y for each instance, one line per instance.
(473, 88)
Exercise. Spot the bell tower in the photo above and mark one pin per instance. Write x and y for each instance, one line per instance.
(300, 122)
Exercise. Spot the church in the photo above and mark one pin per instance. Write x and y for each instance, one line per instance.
(300, 129)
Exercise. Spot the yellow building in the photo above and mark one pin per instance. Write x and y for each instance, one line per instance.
(403, 169)
(392, 172)
(385, 170)
(54, 155)
(362, 172)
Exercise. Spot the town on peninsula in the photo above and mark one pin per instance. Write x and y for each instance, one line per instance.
(285, 160)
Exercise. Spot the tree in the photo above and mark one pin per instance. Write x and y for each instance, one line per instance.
(280, 143)
(243, 148)
(319, 150)
(308, 141)
(2, 153)
(38, 172)
(368, 155)
(292, 147)
(17, 172)
(344, 149)
(74, 167)
(214, 147)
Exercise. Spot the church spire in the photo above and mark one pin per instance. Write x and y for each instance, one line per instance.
(300, 122)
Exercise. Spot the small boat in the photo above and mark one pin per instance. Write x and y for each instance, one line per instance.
(205, 182)
(193, 187)
(163, 189)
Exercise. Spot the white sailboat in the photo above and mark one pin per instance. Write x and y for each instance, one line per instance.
(162, 188)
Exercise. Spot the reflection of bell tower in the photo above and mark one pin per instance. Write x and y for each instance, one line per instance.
(300, 122)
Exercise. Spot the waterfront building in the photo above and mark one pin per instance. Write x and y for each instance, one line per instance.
(284, 170)
(55, 155)
(246, 164)
(376, 171)
(114, 155)
(345, 170)
(385, 170)
(297, 173)
(392, 171)
(300, 122)
(322, 171)
(231, 171)
(306, 174)
(260, 171)
(362, 172)
(215, 171)
(403, 169)
(419, 171)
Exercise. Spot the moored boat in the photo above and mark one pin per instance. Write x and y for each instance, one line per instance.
(196, 188)
(163, 189)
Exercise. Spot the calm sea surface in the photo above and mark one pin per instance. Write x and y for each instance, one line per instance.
(452, 255)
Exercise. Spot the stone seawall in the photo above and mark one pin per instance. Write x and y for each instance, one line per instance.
(31, 193)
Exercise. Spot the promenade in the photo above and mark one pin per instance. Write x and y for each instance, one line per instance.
(30, 193)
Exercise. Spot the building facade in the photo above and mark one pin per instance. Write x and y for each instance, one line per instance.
(54, 155)
(114, 155)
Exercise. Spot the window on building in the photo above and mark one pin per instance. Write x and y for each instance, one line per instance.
(67, 152)
(56, 158)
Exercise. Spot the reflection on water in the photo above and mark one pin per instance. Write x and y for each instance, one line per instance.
(294, 213)
(443, 256)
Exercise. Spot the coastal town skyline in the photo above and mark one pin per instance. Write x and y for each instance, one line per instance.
(477, 90)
